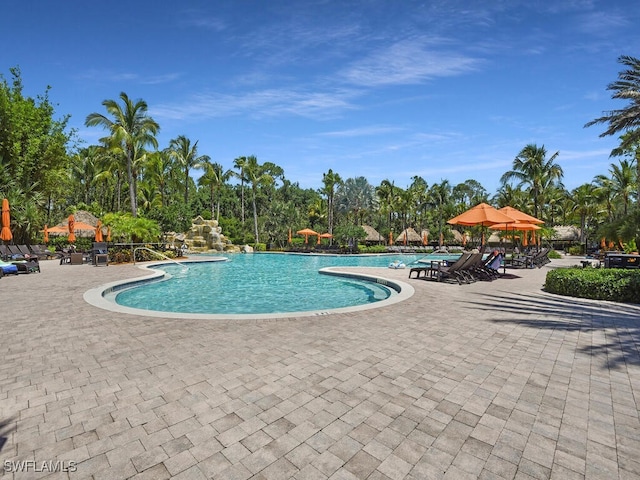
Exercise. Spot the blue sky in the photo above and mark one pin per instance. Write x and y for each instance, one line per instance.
(386, 89)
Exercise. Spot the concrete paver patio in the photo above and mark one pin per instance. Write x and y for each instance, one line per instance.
(493, 380)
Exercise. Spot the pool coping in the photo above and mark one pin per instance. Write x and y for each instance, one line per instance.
(96, 296)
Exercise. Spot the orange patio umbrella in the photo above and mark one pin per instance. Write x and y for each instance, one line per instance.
(98, 237)
(289, 237)
(71, 222)
(425, 237)
(391, 238)
(58, 230)
(482, 214)
(46, 234)
(519, 216)
(5, 233)
(324, 235)
(306, 232)
(521, 226)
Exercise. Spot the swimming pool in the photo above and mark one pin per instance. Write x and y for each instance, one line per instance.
(263, 285)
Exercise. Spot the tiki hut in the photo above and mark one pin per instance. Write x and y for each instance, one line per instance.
(566, 233)
(458, 238)
(372, 235)
(84, 225)
(411, 235)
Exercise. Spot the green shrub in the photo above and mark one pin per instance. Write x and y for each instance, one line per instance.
(554, 255)
(614, 284)
(259, 247)
(576, 250)
(372, 248)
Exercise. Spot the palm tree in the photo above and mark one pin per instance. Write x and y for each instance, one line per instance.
(604, 194)
(111, 176)
(584, 205)
(468, 194)
(387, 197)
(317, 211)
(627, 87)
(623, 179)
(131, 129)
(533, 169)
(241, 163)
(330, 181)
(84, 168)
(149, 198)
(420, 196)
(356, 195)
(627, 119)
(631, 150)
(555, 199)
(509, 196)
(214, 177)
(258, 175)
(158, 171)
(440, 199)
(183, 152)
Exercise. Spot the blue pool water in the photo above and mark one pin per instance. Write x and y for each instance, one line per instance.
(260, 283)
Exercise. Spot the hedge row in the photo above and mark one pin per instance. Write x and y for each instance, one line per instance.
(614, 284)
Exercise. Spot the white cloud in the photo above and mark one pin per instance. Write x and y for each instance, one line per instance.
(361, 132)
(602, 23)
(123, 77)
(408, 62)
(258, 104)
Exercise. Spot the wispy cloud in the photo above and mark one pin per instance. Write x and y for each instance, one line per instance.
(580, 155)
(259, 104)
(106, 76)
(602, 23)
(361, 132)
(199, 18)
(408, 62)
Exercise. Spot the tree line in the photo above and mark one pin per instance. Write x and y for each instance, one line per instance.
(144, 190)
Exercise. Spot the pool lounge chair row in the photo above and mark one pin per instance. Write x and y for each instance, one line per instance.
(20, 257)
(22, 252)
(470, 267)
(533, 260)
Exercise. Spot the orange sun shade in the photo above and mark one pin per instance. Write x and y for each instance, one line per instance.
(306, 232)
(5, 233)
(72, 226)
(482, 214)
(519, 216)
(98, 237)
(515, 226)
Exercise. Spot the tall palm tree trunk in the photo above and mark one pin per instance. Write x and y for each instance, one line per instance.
(132, 186)
(255, 218)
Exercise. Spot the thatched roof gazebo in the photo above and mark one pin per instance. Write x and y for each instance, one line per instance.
(372, 235)
(566, 233)
(85, 225)
(411, 236)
